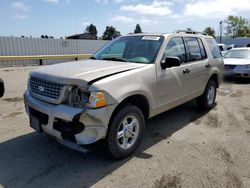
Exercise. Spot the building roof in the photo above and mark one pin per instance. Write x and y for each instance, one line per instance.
(82, 36)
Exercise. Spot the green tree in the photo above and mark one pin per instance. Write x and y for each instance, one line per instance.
(210, 31)
(110, 33)
(237, 27)
(91, 29)
(137, 29)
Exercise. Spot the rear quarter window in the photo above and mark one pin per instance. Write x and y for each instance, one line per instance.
(213, 46)
(203, 51)
(194, 52)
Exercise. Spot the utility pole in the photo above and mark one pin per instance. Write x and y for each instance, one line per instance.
(221, 22)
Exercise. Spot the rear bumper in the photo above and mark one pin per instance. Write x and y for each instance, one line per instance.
(94, 121)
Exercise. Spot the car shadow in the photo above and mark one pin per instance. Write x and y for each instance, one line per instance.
(237, 80)
(36, 159)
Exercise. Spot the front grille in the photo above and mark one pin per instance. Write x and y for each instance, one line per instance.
(230, 67)
(45, 88)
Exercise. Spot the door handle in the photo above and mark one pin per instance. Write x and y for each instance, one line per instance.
(186, 71)
(208, 65)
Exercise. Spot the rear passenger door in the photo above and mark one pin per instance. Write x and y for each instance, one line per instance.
(196, 69)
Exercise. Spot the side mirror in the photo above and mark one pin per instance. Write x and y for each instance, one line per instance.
(171, 62)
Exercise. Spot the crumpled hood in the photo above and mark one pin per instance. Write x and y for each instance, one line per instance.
(236, 61)
(86, 70)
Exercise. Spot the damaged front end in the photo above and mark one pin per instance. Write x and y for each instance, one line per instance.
(68, 109)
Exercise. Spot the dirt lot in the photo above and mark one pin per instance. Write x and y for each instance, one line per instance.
(182, 147)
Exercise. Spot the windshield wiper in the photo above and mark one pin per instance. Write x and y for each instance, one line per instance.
(114, 59)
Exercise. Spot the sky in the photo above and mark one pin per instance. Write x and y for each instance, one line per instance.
(60, 18)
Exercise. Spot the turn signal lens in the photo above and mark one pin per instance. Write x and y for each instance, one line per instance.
(96, 100)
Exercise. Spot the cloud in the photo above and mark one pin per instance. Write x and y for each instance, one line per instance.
(102, 1)
(118, 1)
(18, 16)
(20, 10)
(131, 21)
(52, 1)
(186, 9)
(109, 1)
(85, 23)
(122, 19)
(215, 8)
(156, 8)
(20, 6)
(147, 21)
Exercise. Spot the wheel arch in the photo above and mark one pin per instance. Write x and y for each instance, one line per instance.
(138, 100)
(215, 78)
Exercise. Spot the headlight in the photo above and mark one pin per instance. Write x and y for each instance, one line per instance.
(91, 99)
(96, 100)
(83, 97)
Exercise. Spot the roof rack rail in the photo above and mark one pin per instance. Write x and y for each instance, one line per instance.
(190, 32)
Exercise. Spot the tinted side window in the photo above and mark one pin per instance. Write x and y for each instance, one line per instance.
(203, 52)
(213, 48)
(193, 49)
(176, 48)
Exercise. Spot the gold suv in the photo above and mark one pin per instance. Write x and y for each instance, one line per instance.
(131, 79)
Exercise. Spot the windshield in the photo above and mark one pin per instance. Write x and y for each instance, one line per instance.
(242, 54)
(137, 49)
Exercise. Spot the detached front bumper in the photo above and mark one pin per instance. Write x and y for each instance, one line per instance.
(82, 126)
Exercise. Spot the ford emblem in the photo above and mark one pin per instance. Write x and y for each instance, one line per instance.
(41, 88)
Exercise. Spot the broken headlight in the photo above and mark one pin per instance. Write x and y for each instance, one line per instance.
(91, 99)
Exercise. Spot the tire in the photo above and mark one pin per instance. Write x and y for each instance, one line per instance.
(130, 133)
(1, 88)
(207, 99)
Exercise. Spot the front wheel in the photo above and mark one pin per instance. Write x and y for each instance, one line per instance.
(125, 132)
(207, 99)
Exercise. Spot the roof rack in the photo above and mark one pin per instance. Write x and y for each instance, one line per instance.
(190, 32)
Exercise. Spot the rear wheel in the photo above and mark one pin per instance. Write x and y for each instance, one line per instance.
(207, 99)
(125, 132)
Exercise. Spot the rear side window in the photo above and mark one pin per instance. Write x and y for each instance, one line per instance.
(203, 51)
(213, 48)
(176, 48)
(193, 49)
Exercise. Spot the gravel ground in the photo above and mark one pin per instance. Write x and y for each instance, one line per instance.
(181, 148)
